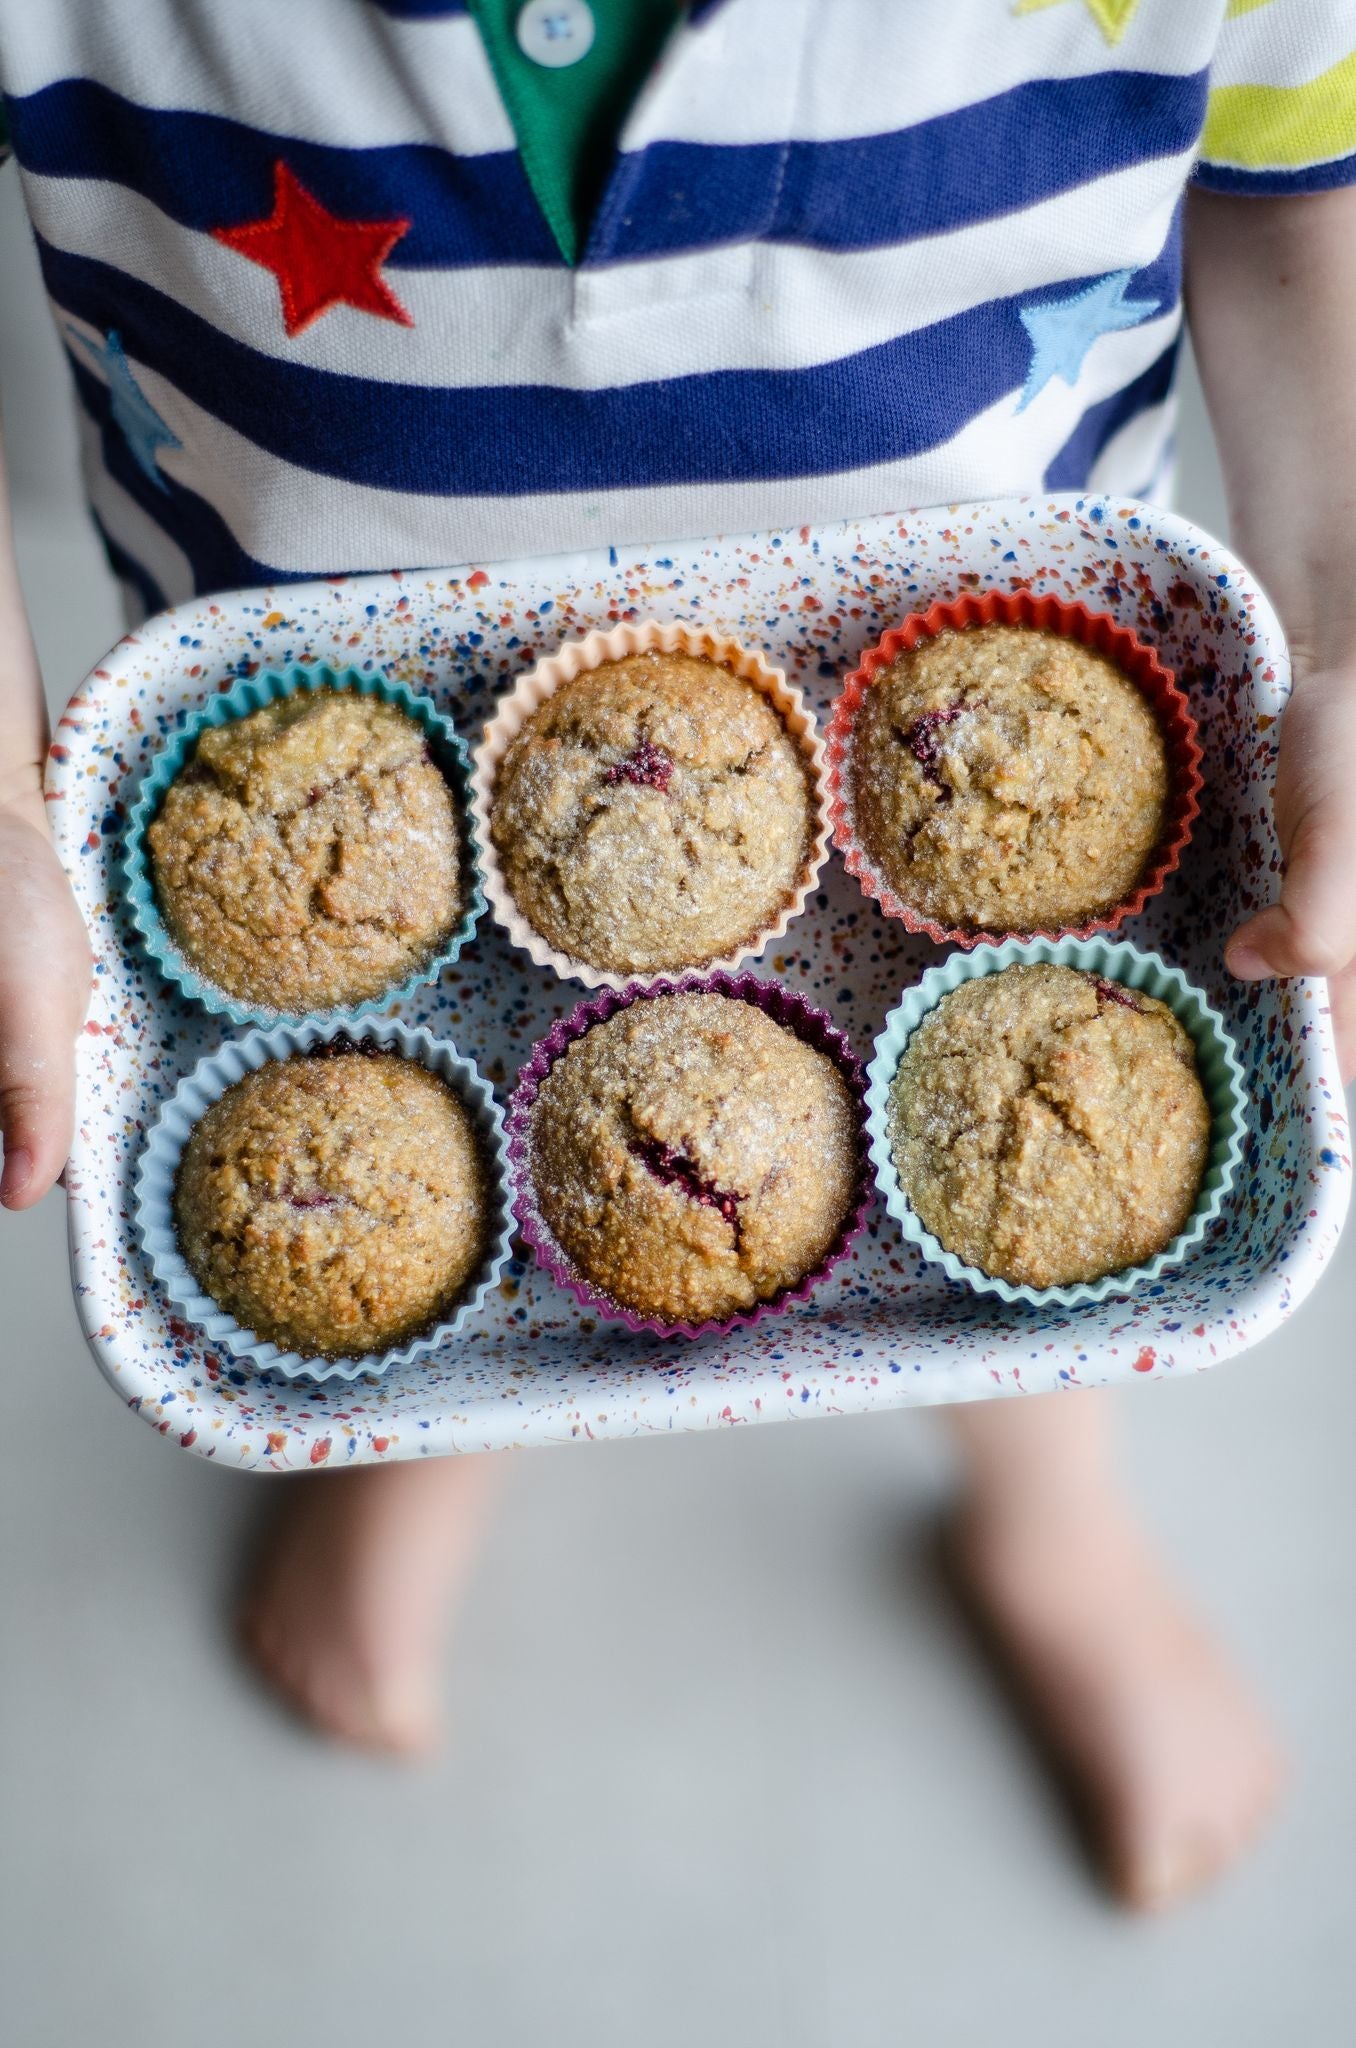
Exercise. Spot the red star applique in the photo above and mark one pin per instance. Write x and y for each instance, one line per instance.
(318, 259)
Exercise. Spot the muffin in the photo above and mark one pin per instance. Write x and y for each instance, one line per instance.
(1006, 778)
(335, 1202)
(692, 1157)
(653, 813)
(309, 855)
(1049, 1126)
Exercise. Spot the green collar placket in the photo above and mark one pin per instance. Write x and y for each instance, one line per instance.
(567, 119)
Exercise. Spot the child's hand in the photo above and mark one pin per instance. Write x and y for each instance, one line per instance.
(1286, 425)
(44, 991)
(1312, 930)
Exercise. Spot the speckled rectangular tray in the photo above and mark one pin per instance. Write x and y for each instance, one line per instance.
(886, 1331)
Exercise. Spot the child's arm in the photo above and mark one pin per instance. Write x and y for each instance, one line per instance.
(1271, 296)
(44, 955)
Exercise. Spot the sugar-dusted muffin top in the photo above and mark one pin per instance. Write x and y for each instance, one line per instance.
(1007, 779)
(653, 813)
(1049, 1126)
(309, 855)
(692, 1157)
(335, 1202)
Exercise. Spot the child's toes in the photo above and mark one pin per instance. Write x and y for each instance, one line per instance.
(1179, 1839)
(331, 1685)
(402, 1716)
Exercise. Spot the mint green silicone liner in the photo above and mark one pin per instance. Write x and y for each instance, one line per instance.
(250, 694)
(1217, 1063)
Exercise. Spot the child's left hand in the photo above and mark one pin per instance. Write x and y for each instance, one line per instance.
(44, 988)
(1312, 930)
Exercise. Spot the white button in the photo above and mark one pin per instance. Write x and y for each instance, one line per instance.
(555, 32)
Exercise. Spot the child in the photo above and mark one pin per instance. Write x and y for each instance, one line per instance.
(360, 284)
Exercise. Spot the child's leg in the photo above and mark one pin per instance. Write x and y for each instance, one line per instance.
(347, 1613)
(1158, 1733)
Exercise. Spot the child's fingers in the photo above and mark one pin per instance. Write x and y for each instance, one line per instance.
(1280, 943)
(37, 1090)
(1312, 930)
(44, 989)
(1342, 996)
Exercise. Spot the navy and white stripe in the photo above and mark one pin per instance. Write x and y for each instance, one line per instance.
(1044, 137)
(811, 289)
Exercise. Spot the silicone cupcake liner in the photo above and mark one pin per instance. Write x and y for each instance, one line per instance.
(1217, 1063)
(815, 1026)
(1094, 629)
(209, 1080)
(572, 659)
(250, 694)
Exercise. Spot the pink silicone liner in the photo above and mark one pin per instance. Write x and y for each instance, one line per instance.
(814, 1025)
(1094, 629)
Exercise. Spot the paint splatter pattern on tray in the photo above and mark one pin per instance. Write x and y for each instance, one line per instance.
(884, 1331)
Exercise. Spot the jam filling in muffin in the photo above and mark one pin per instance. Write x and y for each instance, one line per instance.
(653, 813)
(336, 1202)
(692, 1157)
(1049, 1126)
(309, 855)
(1003, 778)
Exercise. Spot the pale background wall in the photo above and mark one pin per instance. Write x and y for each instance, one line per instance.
(723, 1770)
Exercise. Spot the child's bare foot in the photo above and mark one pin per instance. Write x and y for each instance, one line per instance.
(1170, 1758)
(1167, 1754)
(347, 1611)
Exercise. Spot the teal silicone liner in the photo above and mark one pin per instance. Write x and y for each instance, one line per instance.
(209, 1080)
(1217, 1063)
(251, 693)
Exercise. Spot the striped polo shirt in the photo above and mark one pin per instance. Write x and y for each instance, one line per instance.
(326, 308)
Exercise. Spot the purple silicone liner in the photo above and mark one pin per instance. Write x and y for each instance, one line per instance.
(785, 1007)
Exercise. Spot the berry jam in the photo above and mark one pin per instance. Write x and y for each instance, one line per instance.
(646, 764)
(924, 743)
(675, 1169)
(1112, 992)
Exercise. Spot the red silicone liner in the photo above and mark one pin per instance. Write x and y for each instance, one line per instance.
(815, 1026)
(1094, 629)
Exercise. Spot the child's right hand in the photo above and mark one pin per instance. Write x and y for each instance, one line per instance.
(44, 992)
(1312, 929)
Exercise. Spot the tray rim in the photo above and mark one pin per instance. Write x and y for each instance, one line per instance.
(495, 1422)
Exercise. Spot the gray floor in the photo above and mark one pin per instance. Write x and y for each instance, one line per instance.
(723, 1770)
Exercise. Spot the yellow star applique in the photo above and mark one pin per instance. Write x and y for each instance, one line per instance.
(1113, 17)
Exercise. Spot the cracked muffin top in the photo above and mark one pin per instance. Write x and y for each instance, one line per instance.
(1007, 779)
(1049, 1126)
(334, 1202)
(309, 855)
(653, 813)
(692, 1157)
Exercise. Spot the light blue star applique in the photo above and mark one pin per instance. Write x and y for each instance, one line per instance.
(142, 427)
(1063, 330)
